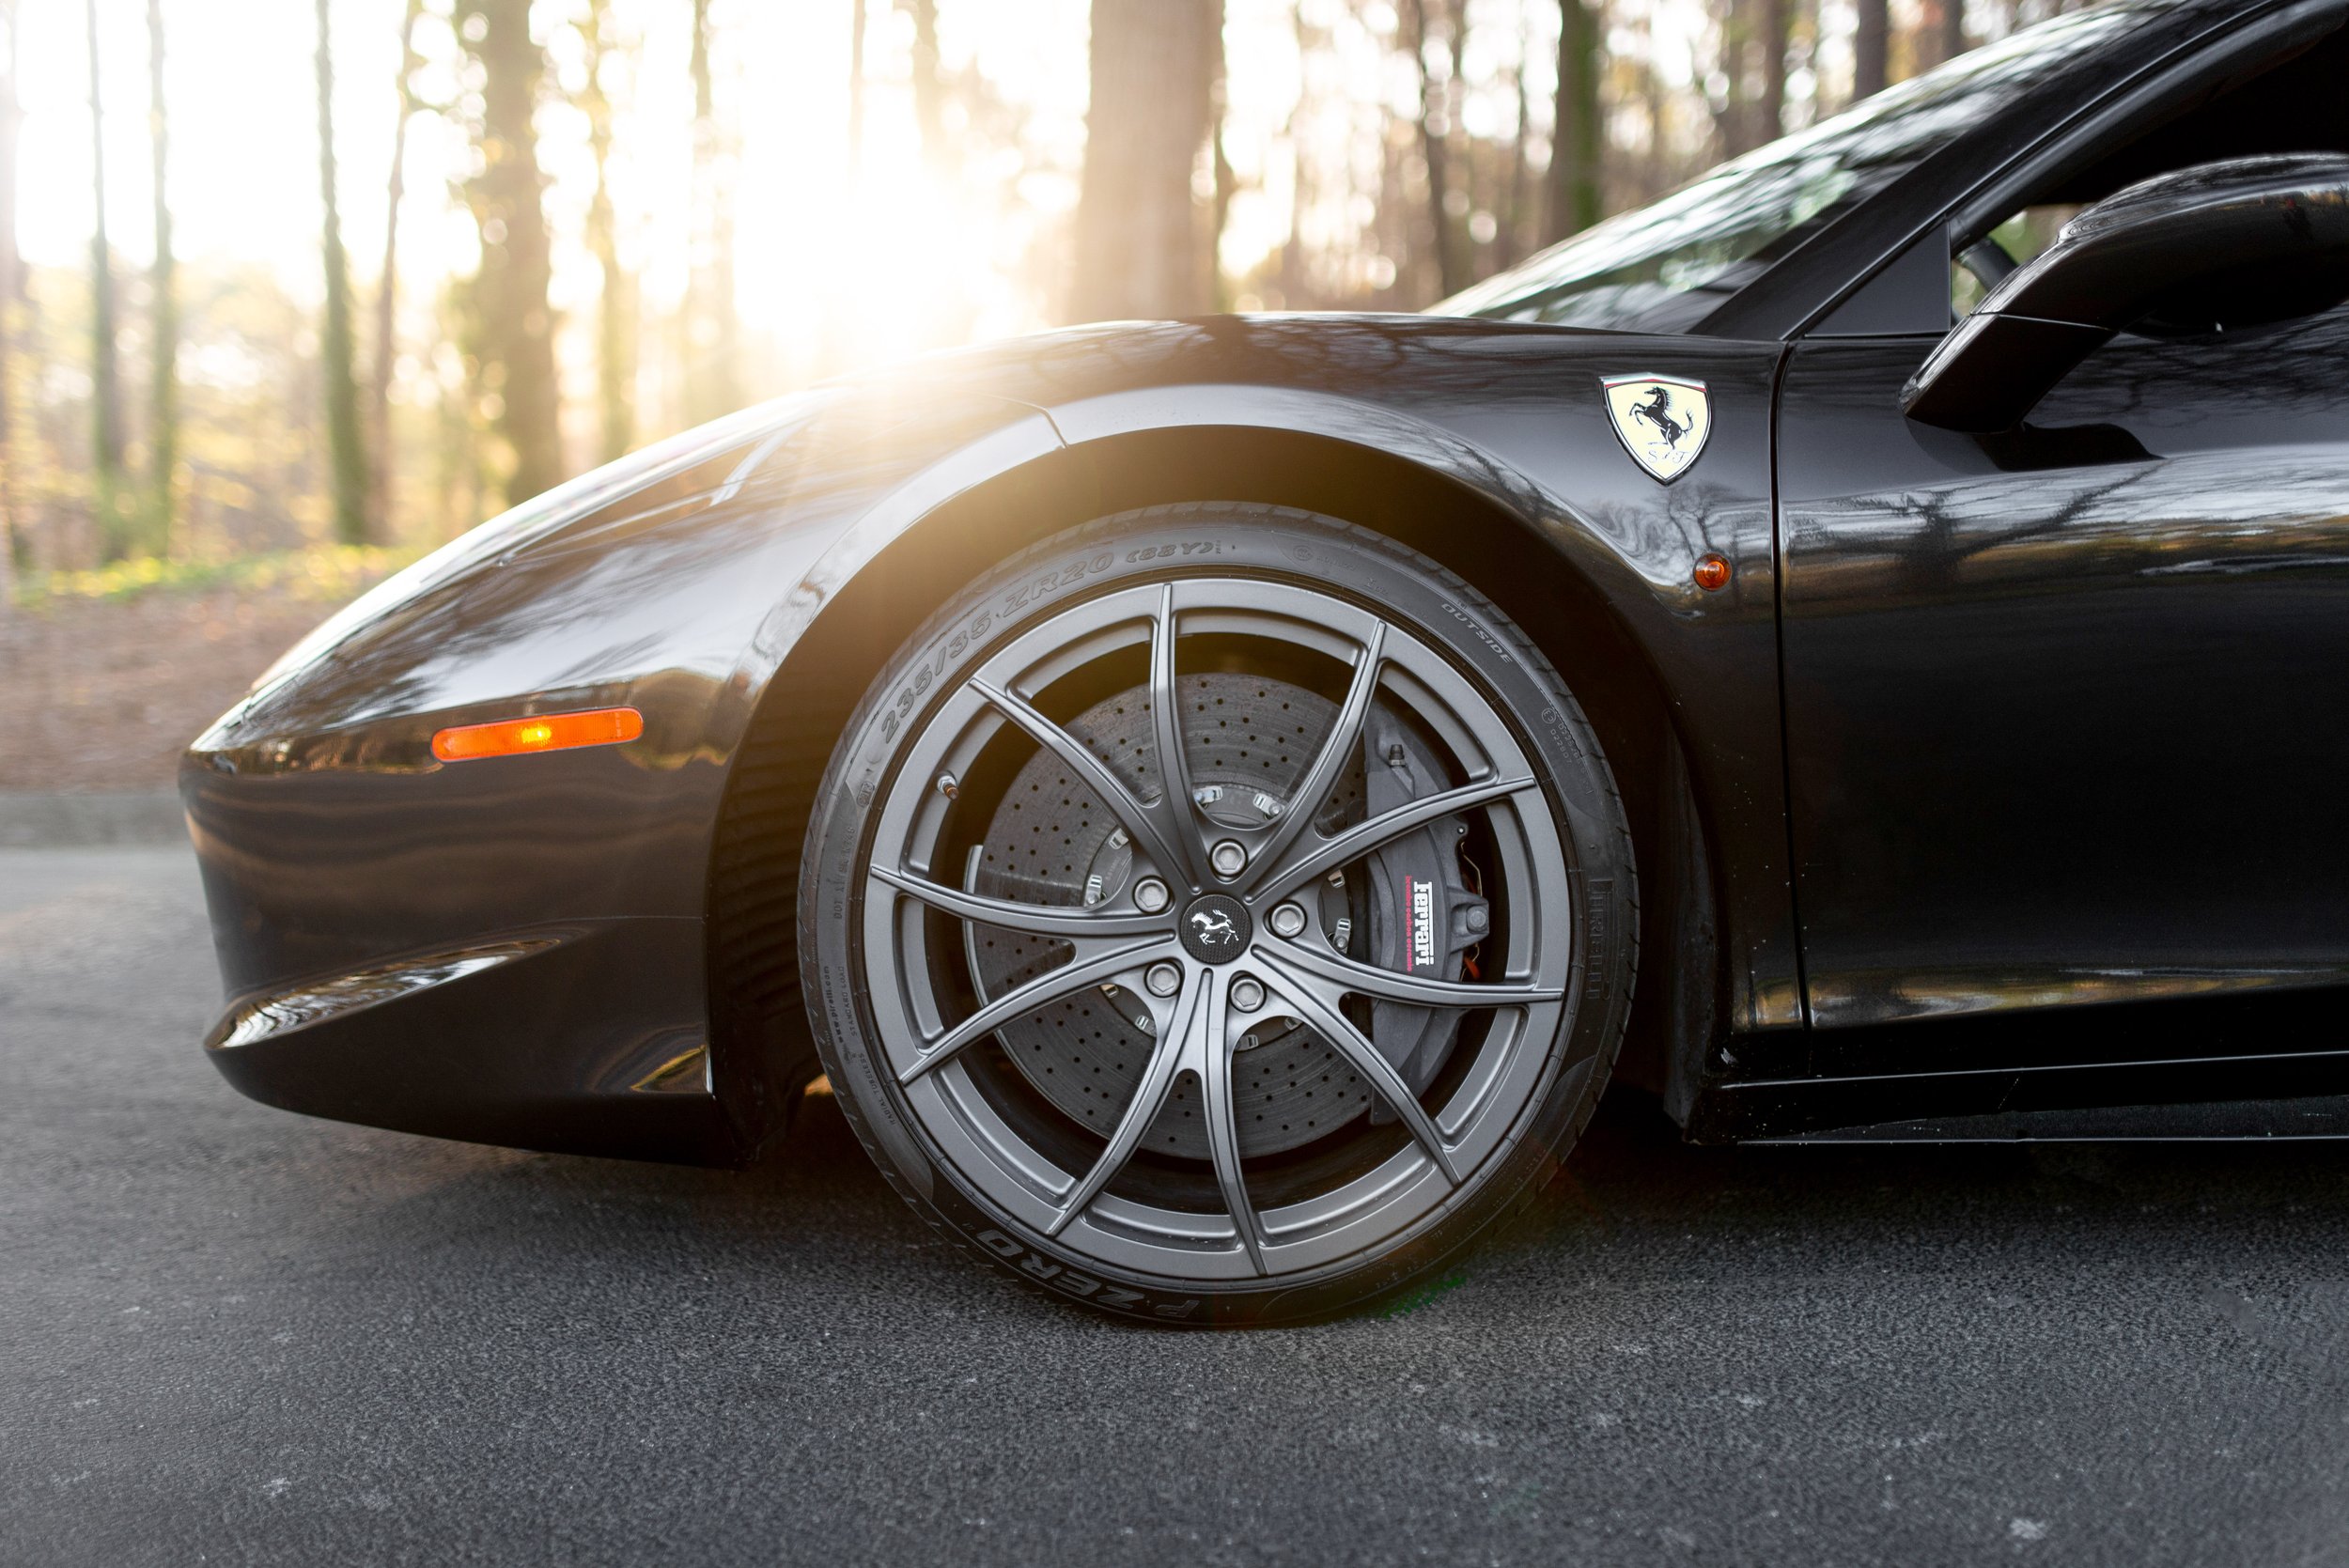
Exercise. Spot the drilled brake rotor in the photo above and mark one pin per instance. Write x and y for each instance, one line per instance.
(1248, 737)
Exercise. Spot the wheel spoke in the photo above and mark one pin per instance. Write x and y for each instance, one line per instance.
(1337, 748)
(1366, 1058)
(1042, 920)
(1050, 986)
(1361, 838)
(1166, 724)
(1212, 1059)
(1149, 1098)
(1138, 819)
(1350, 974)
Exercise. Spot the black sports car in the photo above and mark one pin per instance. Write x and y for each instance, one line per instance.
(1202, 791)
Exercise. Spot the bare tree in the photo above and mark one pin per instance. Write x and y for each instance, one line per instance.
(1509, 240)
(856, 88)
(1576, 145)
(379, 465)
(1142, 246)
(163, 417)
(1435, 128)
(1776, 30)
(615, 363)
(1733, 118)
(513, 323)
(1945, 31)
(929, 86)
(105, 375)
(713, 374)
(1870, 48)
(346, 462)
(13, 526)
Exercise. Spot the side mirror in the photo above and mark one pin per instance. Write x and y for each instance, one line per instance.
(2227, 244)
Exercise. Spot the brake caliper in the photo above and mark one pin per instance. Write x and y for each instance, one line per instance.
(1420, 918)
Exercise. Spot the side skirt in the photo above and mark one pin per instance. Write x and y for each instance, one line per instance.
(2239, 1067)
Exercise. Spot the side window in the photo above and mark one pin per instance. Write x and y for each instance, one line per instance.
(1978, 269)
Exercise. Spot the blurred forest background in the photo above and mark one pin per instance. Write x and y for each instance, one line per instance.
(293, 290)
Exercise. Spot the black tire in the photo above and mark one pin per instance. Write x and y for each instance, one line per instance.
(1558, 1046)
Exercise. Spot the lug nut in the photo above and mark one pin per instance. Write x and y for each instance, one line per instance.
(1228, 858)
(1149, 896)
(1478, 919)
(1164, 980)
(1287, 919)
(1247, 995)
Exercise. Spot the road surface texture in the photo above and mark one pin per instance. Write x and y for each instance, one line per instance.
(232, 1335)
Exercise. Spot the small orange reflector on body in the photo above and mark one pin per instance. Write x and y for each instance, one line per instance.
(1712, 573)
(548, 732)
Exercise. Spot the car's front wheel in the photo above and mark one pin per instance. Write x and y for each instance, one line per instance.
(1218, 914)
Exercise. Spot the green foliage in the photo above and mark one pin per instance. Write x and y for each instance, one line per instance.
(328, 574)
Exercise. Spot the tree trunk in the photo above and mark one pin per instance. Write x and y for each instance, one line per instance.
(1734, 120)
(1575, 144)
(856, 89)
(1226, 185)
(1434, 126)
(515, 323)
(1509, 242)
(1946, 19)
(930, 90)
(712, 371)
(1870, 48)
(1770, 112)
(387, 293)
(162, 432)
(347, 465)
(1141, 243)
(1293, 274)
(105, 377)
(615, 365)
(14, 527)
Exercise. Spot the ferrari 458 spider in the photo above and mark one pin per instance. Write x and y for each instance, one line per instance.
(1202, 792)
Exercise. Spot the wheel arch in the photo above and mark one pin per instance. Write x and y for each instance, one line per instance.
(1425, 491)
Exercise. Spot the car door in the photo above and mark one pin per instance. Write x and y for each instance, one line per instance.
(2067, 708)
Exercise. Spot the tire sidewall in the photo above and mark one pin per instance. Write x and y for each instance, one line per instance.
(1157, 545)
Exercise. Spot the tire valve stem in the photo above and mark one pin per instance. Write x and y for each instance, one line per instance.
(948, 786)
(1093, 887)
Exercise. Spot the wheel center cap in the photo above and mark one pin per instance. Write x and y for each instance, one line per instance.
(1215, 928)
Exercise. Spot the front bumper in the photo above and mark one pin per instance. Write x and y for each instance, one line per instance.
(389, 957)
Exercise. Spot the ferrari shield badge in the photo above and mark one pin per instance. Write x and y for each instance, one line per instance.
(1663, 423)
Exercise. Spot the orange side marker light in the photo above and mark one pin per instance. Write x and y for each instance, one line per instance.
(549, 732)
(1712, 573)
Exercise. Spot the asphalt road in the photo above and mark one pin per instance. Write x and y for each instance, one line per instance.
(228, 1334)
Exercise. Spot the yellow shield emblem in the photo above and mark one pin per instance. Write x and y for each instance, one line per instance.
(1663, 422)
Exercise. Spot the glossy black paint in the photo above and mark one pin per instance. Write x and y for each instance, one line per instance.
(2022, 676)
(2055, 699)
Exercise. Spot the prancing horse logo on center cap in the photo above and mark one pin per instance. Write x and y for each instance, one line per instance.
(1663, 423)
(1214, 927)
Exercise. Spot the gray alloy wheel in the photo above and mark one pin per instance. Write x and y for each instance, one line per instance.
(1200, 932)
